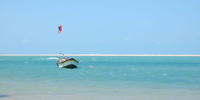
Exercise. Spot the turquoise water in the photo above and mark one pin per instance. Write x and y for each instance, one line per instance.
(100, 77)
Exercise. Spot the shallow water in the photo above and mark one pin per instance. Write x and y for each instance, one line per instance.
(99, 77)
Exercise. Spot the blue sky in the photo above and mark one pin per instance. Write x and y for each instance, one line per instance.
(100, 26)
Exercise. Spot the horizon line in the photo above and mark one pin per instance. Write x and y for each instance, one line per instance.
(100, 54)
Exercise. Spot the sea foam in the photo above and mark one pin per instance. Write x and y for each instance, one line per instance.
(52, 58)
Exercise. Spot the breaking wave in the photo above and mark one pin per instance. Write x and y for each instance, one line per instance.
(52, 58)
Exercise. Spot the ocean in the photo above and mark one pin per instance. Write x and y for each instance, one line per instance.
(100, 78)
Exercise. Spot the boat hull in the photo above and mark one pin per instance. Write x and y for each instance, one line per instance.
(71, 66)
(71, 63)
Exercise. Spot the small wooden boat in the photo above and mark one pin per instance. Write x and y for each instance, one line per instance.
(67, 63)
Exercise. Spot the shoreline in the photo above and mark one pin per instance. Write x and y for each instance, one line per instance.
(99, 55)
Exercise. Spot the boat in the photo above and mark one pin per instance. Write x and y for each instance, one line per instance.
(67, 63)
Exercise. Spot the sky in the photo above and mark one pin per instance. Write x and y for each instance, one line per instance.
(100, 26)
